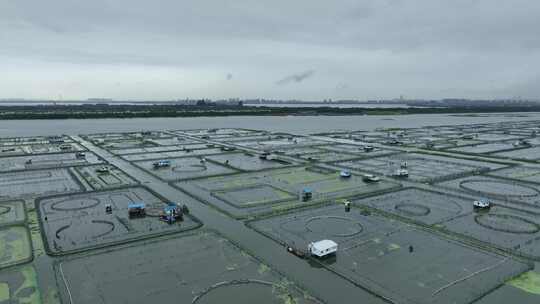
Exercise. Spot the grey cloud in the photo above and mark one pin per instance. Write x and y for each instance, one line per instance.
(380, 48)
(296, 77)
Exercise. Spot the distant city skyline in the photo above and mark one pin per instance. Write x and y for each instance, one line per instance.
(307, 50)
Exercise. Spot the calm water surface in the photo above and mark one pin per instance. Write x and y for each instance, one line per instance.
(292, 124)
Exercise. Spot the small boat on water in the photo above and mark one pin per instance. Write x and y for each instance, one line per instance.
(345, 174)
(521, 143)
(401, 173)
(162, 164)
(103, 169)
(368, 148)
(299, 253)
(482, 203)
(370, 178)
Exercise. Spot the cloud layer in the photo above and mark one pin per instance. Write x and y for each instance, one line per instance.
(296, 77)
(359, 49)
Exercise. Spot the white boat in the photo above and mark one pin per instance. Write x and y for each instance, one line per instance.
(370, 178)
(345, 174)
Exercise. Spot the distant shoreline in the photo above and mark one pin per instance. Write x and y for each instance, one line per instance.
(147, 111)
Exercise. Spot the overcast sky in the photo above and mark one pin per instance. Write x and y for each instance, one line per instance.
(305, 49)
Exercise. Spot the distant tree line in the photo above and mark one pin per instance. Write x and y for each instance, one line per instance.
(88, 111)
